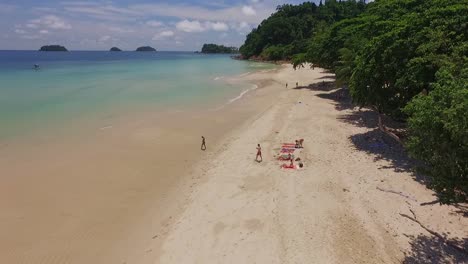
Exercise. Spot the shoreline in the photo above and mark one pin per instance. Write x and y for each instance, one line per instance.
(138, 194)
(332, 211)
(79, 191)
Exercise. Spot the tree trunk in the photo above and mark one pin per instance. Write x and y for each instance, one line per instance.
(384, 130)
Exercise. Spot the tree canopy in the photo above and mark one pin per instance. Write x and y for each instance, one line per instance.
(53, 48)
(404, 58)
(285, 32)
(145, 48)
(213, 48)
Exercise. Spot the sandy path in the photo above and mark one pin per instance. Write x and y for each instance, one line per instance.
(241, 211)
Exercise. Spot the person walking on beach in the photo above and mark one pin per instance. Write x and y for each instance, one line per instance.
(286, 85)
(203, 144)
(297, 84)
(259, 153)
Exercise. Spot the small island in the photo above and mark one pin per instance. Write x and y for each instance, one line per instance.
(115, 49)
(146, 48)
(53, 48)
(214, 48)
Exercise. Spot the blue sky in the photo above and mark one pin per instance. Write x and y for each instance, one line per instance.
(99, 25)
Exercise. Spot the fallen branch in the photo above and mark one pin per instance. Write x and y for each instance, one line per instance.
(384, 129)
(399, 193)
(454, 246)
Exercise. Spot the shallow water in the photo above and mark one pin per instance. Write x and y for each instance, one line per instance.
(80, 85)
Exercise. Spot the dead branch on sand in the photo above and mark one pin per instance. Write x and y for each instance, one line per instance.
(442, 238)
(384, 129)
(399, 193)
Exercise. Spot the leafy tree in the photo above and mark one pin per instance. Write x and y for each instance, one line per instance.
(213, 48)
(403, 58)
(438, 126)
(291, 26)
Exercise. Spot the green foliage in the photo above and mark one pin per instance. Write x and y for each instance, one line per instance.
(213, 48)
(145, 49)
(290, 27)
(404, 58)
(53, 48)
(273, 53)
(392, 50)
(439, 134)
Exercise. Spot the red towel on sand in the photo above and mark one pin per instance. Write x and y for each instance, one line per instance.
(284, 166)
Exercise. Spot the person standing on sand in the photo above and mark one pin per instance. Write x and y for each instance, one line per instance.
(259, 153)
(203, 145)
(286, 85)
(297, 84)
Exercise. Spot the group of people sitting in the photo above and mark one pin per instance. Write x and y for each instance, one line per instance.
(290, 157)
(287, 148)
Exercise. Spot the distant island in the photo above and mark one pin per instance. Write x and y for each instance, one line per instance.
(146, 48)
(115, 49)
(214, 48)
(53, 48)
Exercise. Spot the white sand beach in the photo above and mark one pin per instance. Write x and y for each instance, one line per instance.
(118, 198)
(343, 207)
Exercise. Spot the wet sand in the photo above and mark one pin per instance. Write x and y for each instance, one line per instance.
(141, 191)
(101, 193)
(347, 204)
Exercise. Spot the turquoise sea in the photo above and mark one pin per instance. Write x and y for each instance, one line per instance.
(70, 86)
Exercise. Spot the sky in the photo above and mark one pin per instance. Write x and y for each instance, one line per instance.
(177, 25)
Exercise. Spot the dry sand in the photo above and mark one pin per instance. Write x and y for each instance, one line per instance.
(128, 194)
(343, 207)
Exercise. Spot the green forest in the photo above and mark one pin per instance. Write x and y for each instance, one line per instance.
(213, 48)
(405, 59)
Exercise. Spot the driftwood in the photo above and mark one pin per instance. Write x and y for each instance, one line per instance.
(452, 245)
(384, 129)
(399, 193)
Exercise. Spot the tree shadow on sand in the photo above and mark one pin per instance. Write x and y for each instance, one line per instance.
(319, 86)
(373, 142)
(435, 250)
(339, 96)
(382, 147)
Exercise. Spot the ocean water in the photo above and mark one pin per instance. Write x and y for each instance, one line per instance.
(72, 86)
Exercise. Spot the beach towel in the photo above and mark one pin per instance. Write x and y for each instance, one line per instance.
(285, 157)
(286, 150)
(285, 166)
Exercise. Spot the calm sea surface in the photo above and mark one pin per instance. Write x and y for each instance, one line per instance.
(70, 86)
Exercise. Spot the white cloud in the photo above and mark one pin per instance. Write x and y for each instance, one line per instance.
(190, 26)
(166, 33)
(248, 11)
(30, 25)
(197, 26)
(163, 35)
(19, 31)
(232, 13)
(104, 38)
(50, 21)
(43, 31)
(217, 26)
(120, 29)
(30, 37)
(154, 23)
